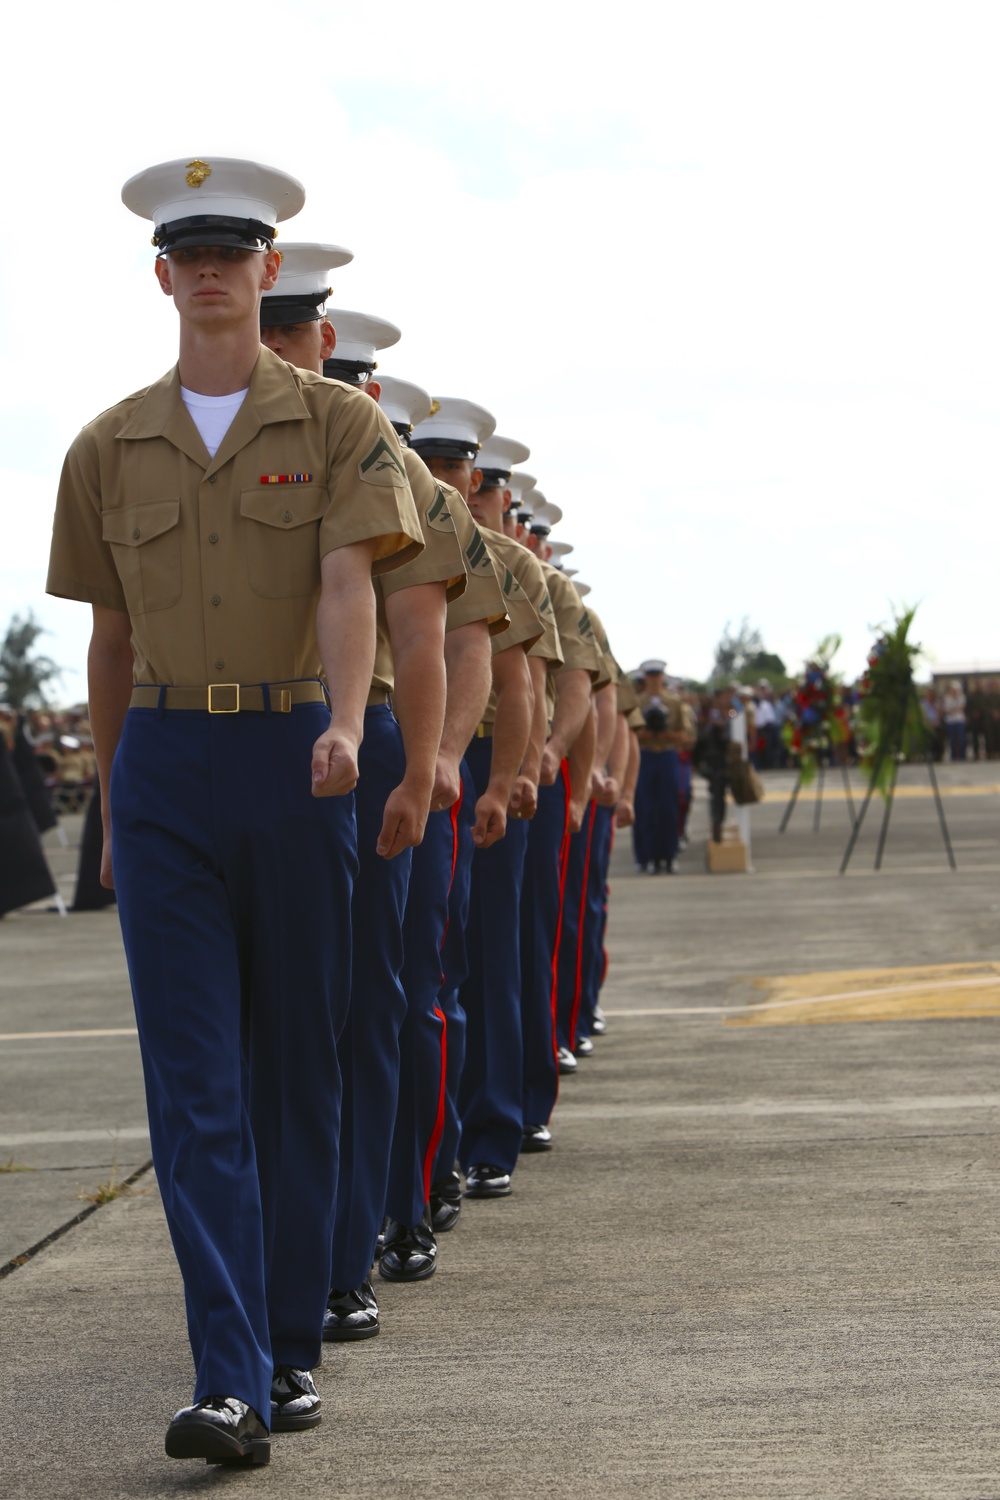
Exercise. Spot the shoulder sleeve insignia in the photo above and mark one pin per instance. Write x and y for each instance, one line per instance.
(382, 466)
(438, 515)
(584, 625)
(511, 588)
(477, 555)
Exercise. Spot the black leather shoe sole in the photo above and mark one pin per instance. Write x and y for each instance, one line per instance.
(293, 1421)
(391, 1270)
(195, 1438)
(480, 1190)
(531, 1143)
(332, 1334)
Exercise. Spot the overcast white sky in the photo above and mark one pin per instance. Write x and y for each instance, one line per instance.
(731, 271)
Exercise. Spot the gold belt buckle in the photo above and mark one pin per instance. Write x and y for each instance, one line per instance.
(214, 687)
(481, 731)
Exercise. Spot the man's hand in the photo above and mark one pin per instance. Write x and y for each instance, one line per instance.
(447, 783)
(625, 813)
(576, 811)
(523, 798)
(107, 874)
(403, 821)
(491, 820)
(550, 766)
(334, 764)
(609, 794)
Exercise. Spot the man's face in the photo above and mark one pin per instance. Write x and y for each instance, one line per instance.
(460, 473)
(654, 682)
(306, 345)
(216, 286)
(486, 506)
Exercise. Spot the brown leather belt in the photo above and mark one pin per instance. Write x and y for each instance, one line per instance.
(484, 731)
(229, 697)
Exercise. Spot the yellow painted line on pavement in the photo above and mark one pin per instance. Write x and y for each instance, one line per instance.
(46, 1036)
(929, 992)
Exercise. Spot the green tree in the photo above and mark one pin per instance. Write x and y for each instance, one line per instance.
(24, 673)
(742, 656)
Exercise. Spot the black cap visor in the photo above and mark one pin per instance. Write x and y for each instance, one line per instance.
(440, 447)
(215, 230)
(281, 312)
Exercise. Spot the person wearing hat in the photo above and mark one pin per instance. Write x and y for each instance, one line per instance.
(425, 1143)
(452, 440)
(224, 524)
(489, 1099)
(566, 779)
(397, 767)
(655, 834)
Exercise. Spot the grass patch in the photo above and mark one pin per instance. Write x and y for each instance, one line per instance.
(10, 1165)
(107, 1192)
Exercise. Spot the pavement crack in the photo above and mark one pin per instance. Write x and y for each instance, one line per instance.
(17, 1261)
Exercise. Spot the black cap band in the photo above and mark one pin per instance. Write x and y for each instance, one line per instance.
(350, 370)
(539, 528)
(302, 307)
(494, 477)
(402, 431)
(204, 230)
(441, 447)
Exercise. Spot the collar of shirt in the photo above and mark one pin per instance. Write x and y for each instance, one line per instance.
(273, 397)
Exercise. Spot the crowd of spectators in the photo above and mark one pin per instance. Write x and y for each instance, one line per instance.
(62, 744)
(963, 726)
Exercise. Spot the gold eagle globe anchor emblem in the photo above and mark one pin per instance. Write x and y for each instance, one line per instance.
(197, 173)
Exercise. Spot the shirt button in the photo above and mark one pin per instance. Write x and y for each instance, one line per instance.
(136, 534)
(287, 516)
(216, 599)
(213, 536)
(219, 664)
(212, 478)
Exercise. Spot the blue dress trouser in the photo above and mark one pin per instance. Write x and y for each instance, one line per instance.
(541, 909)
(432, 1042)
(657, 807)
(234, 889)
(571, 938)
(490, 1094)
(596, 919)
(368, 1047)
(422, 1041)
(455, 966)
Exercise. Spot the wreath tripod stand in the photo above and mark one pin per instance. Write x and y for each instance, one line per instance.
(818, 809)
(892, 749)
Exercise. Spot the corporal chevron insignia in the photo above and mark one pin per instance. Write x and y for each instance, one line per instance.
(382, 467)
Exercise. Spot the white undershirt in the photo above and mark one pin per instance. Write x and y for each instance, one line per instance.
(212, 415)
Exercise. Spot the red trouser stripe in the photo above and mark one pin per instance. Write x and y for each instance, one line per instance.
(438, 1130)
(578, 977)
(563, 864)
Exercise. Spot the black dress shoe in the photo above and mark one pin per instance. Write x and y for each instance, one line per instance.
(410, 1251)
(295, 1401)
(445, 1203)
(599, 1024)
(567, 1062)
(221, 1430)
(584, 1046)
(536, 1138)
(485, 1181)
(351, 1315)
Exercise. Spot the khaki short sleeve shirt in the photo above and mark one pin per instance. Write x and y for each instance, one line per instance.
(217, 560)
(521, 567)
(576, 635)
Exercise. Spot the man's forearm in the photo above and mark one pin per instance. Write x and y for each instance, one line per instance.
(531, 762)
(512, 724)
(618, 759)
(606, 699)
(581, 758)
(571, 710)
(345, 625)
(109, 687)
(418, 702)
(467, 655)
(632, 774)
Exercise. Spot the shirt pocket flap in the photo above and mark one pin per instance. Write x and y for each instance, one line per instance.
(136, 524)
(285, 506)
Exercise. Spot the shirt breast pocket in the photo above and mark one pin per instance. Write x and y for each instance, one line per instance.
(146, 546)
(281, 533)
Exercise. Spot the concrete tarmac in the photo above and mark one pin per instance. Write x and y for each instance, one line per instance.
(759, 1262)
